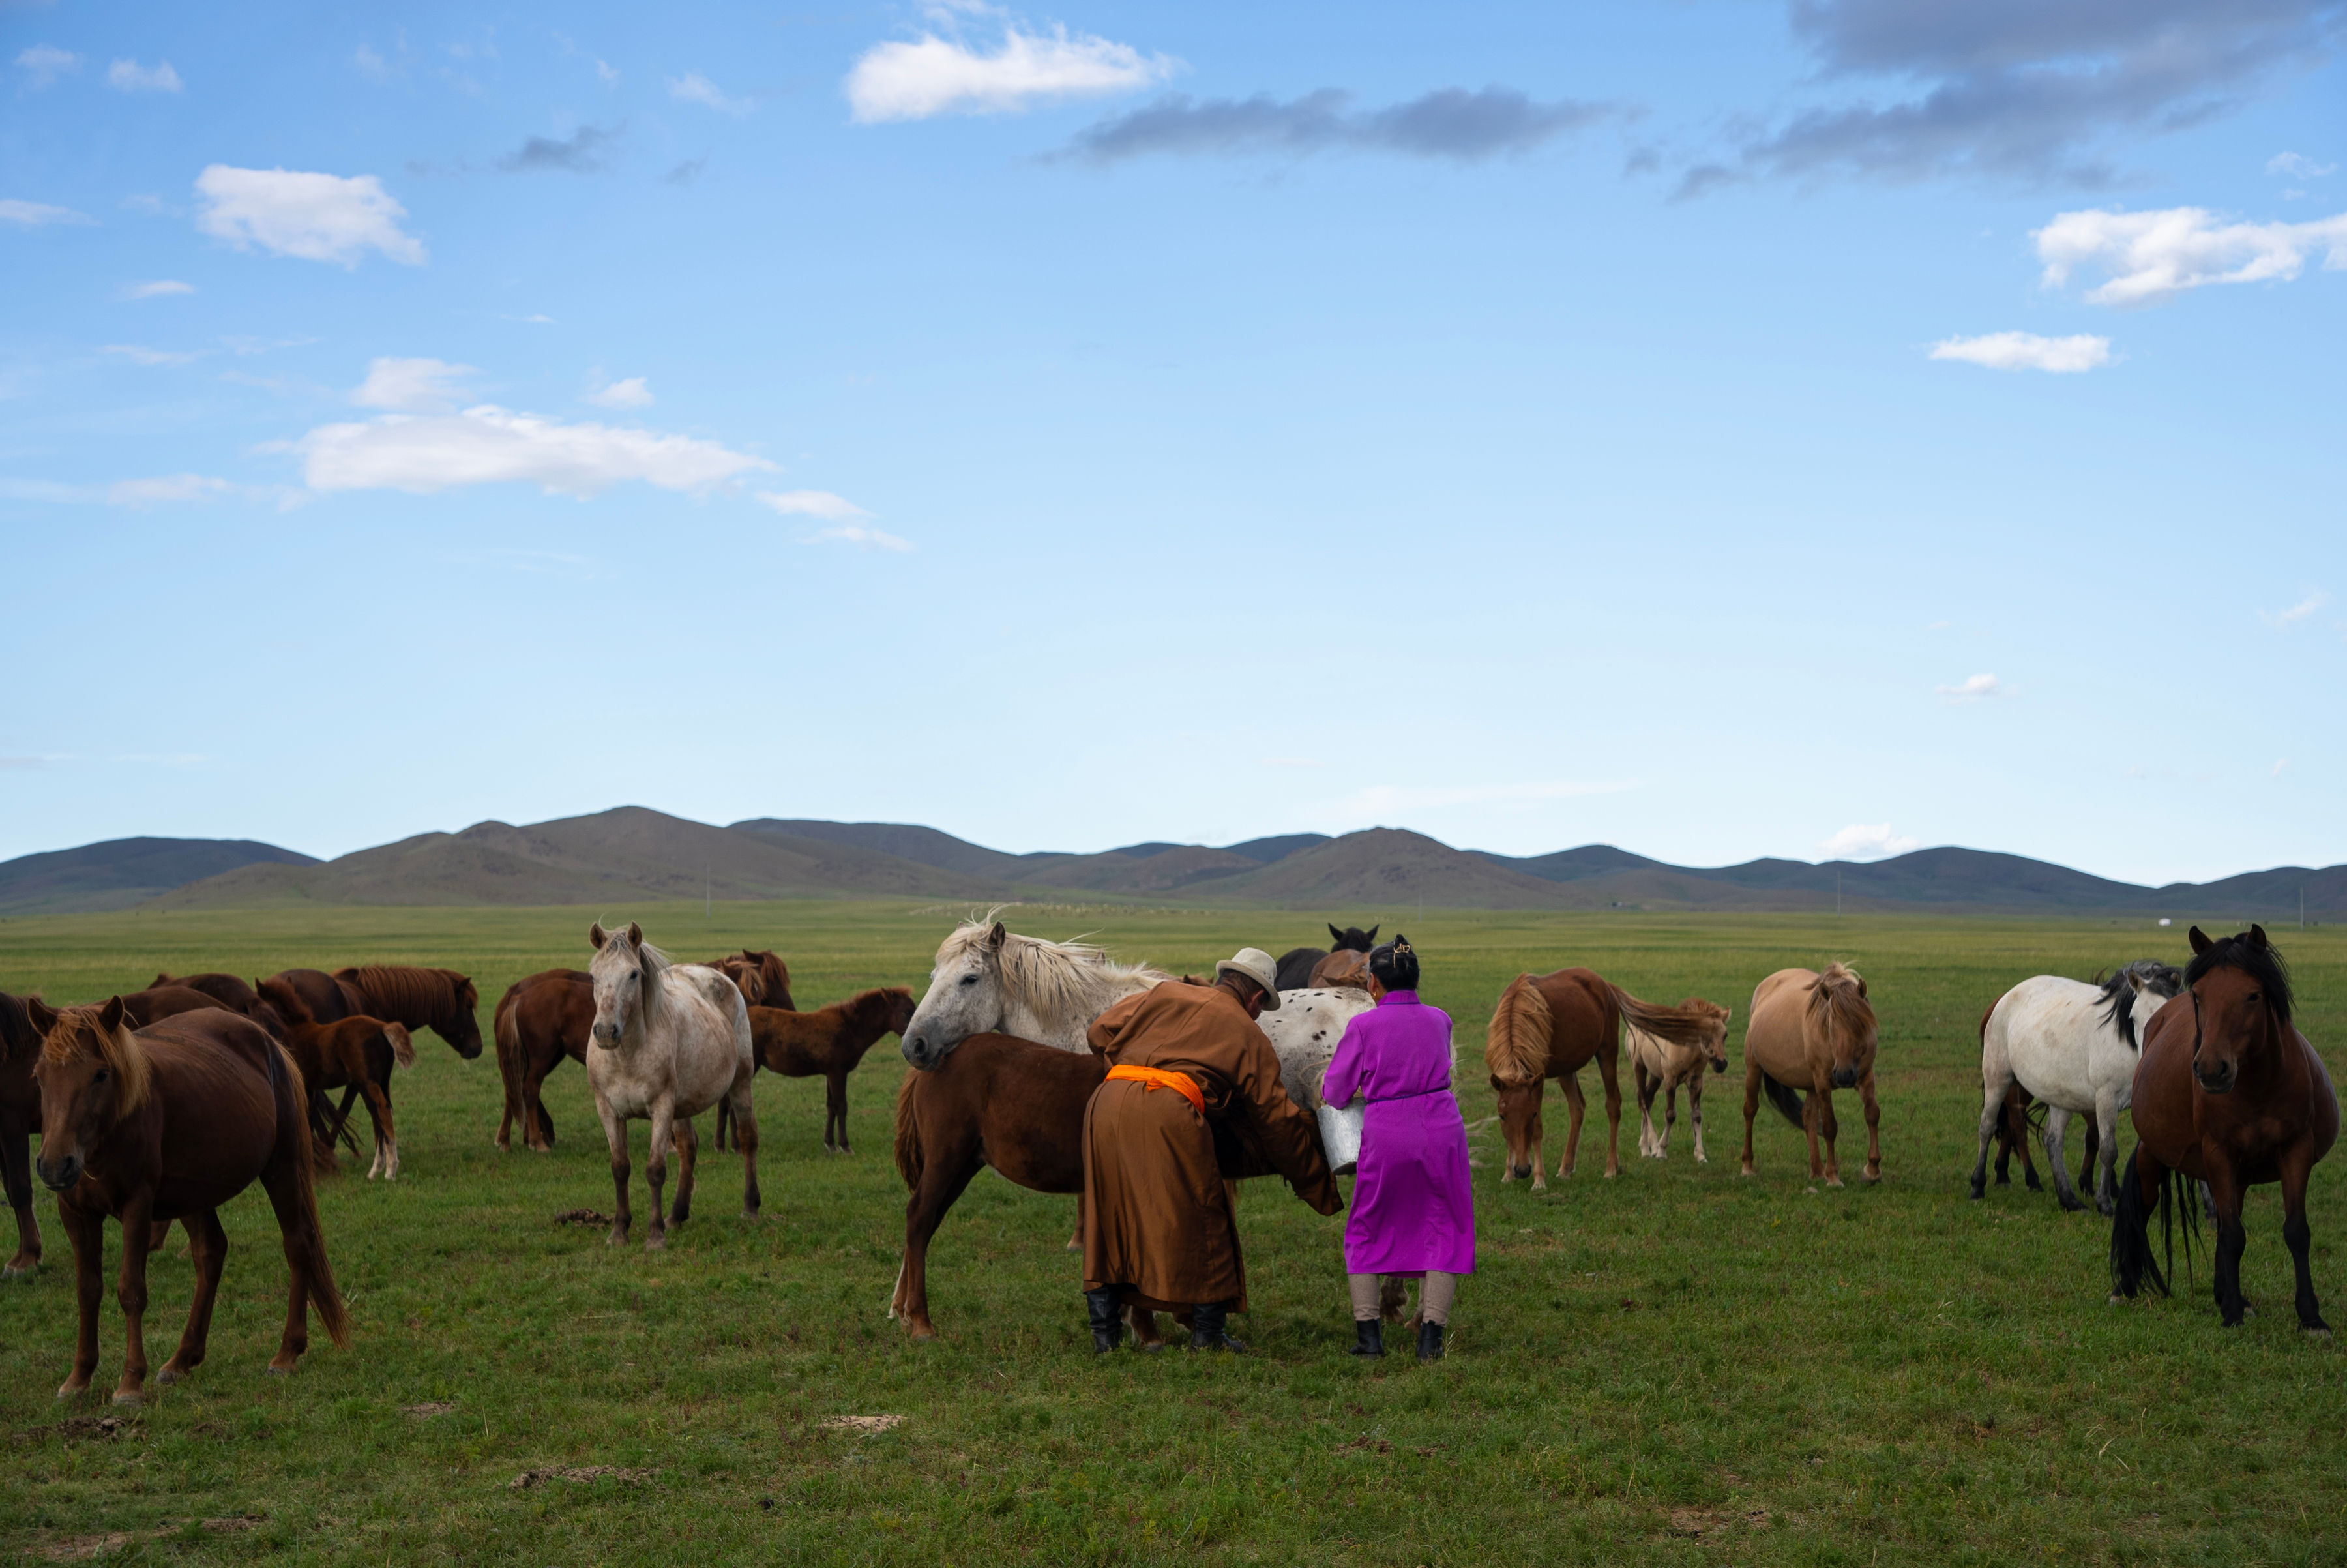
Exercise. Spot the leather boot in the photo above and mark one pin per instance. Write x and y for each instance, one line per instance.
(1430, 1339)
(1108, 1319)
(1369, 1337)
(1207, 1330)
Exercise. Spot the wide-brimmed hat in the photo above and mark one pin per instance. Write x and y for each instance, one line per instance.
(1256, 965)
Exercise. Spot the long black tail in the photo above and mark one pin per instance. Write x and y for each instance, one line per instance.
(1784, 1099)
(2133, 1267)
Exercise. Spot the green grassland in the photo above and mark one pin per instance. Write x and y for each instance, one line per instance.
(1676, 1365)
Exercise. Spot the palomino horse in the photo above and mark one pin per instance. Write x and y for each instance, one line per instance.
(670, 1041)
(1294, 970)
(2074, 1046)
(1815, 1032)
(540, 1020)
(20, 1115)
(168, 1123)
(355, 1054)
(1661, 1066)
(2228, 1093)
(990, 980)
(1553, 1025)
(826, 1043)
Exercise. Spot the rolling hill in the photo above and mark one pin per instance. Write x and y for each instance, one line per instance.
(121, 872)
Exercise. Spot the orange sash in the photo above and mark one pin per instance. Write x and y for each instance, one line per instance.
(1157, 1078)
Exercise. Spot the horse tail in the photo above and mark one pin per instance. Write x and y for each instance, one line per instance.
(403, 1047)
(1783, 1097)
(506, 1033)
(2132, 1264)
(908, 1133)
(306, 1238)
(1679, 1025)
(1516, 1046)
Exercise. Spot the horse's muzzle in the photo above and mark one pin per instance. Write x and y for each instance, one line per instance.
(2216, 1083)
(63, 1173)
(607, 1035)
(1845, 1077)
(1719, 1067)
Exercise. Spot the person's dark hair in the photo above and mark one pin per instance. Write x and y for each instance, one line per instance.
(1395, 964)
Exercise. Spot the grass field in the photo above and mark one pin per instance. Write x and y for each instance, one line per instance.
(1673, 1367)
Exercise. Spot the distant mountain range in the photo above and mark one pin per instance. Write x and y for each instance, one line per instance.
(633, 853)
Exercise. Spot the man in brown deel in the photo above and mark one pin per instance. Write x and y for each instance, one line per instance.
(1186, 1059)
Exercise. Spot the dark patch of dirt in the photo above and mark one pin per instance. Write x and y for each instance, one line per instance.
(1697, 1522)
(1366, 1445)
(79, 1429)
(79, 1548)
(530, 1478)
(582, 1217)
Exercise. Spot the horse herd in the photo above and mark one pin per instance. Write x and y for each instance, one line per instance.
(162, 1104)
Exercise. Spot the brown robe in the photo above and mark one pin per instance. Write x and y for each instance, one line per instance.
(1157, 1217)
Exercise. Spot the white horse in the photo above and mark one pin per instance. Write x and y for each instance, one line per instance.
(1663, 1065)
(990, 980)
(670, 1041)
(2075, 1046)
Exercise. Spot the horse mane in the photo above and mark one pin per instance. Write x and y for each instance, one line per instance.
(279, 994)
(1836, 994)
(1516, 1046)
(79, 1034)
(2118, 996)
(409, 988)
(1694, 1021)
(16, 1030)
(1055, 980)
(2259, 961)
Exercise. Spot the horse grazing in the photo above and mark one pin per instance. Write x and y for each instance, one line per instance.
(826, 1043)
(990, 980)
(763, 979)
(2074, 1046)
(2230, 1093)
(1552, 1026)
(354, 1054)
(1294, 970)
(170, 1123)
(539, 1020)
(671, 1041)
(1662, 1065)
(20, 1115)
(1815, 1032)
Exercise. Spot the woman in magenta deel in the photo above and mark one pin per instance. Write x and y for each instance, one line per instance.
(1413, 1211)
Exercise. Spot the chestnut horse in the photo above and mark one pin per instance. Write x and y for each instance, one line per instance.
(354, 1054)
(2230, 1093)
(1553, 1025)
(171, 1122)
(1813, 1032)
(1345, 967)
(826, 1043)
(763, 979)
(20, 1114)
(540, 1020)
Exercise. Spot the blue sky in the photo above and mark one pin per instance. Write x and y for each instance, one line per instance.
(1716, 428)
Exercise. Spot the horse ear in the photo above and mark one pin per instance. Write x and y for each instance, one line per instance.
(635, 935)
(1373, 932)
(109, 1016)
(1861, 991)
(2199, 939)
(1334, 934)
(1000, 935)
(44, 1016)
(597, 935)
(2258, 935)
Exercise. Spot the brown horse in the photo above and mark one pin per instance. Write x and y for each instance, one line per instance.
(763, 979)
(1553, 1025)
(226, 991)
(1345, 966)
(170, 1123)
(539, 1020)
(826, 1043)
(354, 1054)
(2230, 1094)
(1293, 969)
(1813, 1032)
(20, 1115)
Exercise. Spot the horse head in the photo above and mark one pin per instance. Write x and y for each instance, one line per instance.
(1715, 1037)
(1353, 939)
(2241, 1001)
(92, 1074)
(1845, 1020)
(1520, 1119)
(464, 1027)
(966, 995)
(624, 972)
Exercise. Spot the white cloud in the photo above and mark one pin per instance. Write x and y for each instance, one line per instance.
(489, 446)
(37, 215)
(630, 394)
(137, 354)
(2151, 255)
(604, 72)
(541, 320)
(157, 289)
(45, 62)
(811, 503)
(374, 65)
(2280, 764)
(130, 76)
(1973, 689)
(2297, 166)
(316, 217)
(2027, 351)
(1867, 841)
(692, 88)
(412, 386)
(2312, 604)
(934, 75)
(166, 488)
(864, 533)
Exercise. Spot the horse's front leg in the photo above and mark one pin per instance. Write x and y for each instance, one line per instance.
(1576, 1107)
(615, 1134)
(745, 1139)
(86, 1229)
(2298, 1236)
(16, 1167)
(2225, 1191)
(656, 1169)
(1813, 1112)
(835, 1108)
(387, 1136)
(1824, 1129)
(1873, 1110)
(1694, 1113)
(1609, 1069)
(1647, 1084)
(687, 1154)
(130, 1290)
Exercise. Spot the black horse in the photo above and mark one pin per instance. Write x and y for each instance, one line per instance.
(1295, 964)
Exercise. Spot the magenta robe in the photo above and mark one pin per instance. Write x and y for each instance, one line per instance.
(1413, 1206)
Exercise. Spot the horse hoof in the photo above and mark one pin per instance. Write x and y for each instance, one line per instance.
(169, 1375)
(921, 1336)
(128, 1397)
(656, 1244)
(2315, 1331)
(19, 1270)
(274, 1370)
(1833, 1181)
(72, 1391)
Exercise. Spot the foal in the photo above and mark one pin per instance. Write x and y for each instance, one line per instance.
(355, 1054)
(826, 1043)
(1662, 1065)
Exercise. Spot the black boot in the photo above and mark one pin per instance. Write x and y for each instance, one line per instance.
(1430, 1339)
(1108, 1319)
(1369, 1336)
(1206, 1331)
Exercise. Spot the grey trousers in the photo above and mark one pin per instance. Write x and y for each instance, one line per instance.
(1434, 1295)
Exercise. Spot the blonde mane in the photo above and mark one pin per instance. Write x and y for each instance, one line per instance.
(1516, 1046)
(79, 1033)
(1052, 980)
(1837, 1001)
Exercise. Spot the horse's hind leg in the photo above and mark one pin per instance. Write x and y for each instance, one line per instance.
(1577, 1107)
(1694, 1113)
(1751, 1106)
(943, 1177)
(2105, 1149)
(537, 1126)
(835, 1109)
(1646, 1087)
(2057, 1127)
(688, 1155)
(131, 1291)
(1670, 1120)
(17, 1168)
(2298, 1236)
(1872, 1110)
(1992, 1122)
(209, 1243)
